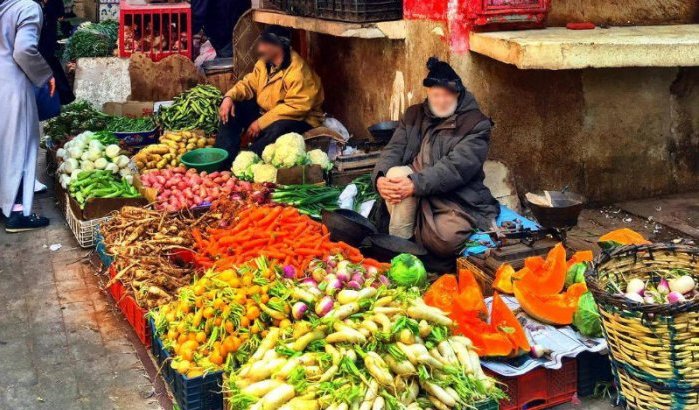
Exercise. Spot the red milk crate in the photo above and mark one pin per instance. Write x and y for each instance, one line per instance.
(540, 388)
(135, 315)
(157, 30)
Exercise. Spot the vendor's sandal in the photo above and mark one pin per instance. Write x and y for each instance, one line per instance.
(17, 222)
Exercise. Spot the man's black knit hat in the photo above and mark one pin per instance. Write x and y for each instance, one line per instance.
(442, 75)
(277, 35)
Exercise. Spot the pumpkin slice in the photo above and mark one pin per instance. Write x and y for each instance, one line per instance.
(442, 292)
(488, 343)
(504, 320)
(554, 309)
(470, 295)
(620, 237)
(503, 278)
(547, 277)
(580, 256)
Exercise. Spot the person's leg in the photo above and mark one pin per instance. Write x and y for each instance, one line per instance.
(229, 134)
(403, 214)
(275, 130)
(21, 219)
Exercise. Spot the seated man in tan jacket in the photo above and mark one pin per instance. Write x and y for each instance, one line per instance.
(282, 94)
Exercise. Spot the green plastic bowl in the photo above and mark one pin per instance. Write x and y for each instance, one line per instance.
(205, 159)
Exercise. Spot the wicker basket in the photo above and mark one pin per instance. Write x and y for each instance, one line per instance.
(653, 347)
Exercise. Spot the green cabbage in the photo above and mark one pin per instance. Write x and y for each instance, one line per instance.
(587, 317)
(576, 273)
(407, 270)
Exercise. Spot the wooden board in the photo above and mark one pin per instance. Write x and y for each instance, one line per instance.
(151, 81)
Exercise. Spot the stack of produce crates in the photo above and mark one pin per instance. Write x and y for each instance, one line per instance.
(158, 30)
(85, 232)
(540, 388)
(351, 11)
(196, 393)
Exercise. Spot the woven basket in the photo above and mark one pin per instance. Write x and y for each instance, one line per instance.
(654, 347)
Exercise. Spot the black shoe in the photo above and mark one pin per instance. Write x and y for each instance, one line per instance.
(17, 222)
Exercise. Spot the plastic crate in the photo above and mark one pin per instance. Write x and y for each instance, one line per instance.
(85, 232)
(197, 393)
(490, 404)
(540, 388)
(101, 250)
(592, 368)
(158, 30)
(359, 11)
(135, 315)
(138, 139)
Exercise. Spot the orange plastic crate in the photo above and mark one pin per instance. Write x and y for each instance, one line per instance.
(135, 315)
(541, 388)
(158, 30)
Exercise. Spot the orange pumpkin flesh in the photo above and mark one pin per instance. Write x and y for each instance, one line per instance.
(547, 277)
(580, 256)
(502, 318)
(442, 293)
(470, 295)
(554, 309)
(503, 278)
(502, 337)
(623, 236)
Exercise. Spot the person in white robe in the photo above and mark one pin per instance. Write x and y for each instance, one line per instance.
(21, 69)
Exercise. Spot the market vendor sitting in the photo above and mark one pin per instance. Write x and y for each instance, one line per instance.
(282, 94)
(431, 172)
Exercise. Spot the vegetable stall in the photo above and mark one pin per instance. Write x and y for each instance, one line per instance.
(250, 301)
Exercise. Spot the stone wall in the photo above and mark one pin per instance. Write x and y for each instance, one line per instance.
(610, 134)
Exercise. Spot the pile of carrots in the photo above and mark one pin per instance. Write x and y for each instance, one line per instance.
(277, 232)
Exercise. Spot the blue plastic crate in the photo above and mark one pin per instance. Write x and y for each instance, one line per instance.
(198, 393)
(102, 251)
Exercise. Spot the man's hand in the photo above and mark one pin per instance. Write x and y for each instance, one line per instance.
(403, 187)
(253, 131)
(388, 190)
(52, 86)
(226, 109)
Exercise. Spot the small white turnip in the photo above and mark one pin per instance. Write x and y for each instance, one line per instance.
(683, 284)
(636, 286)
(674, 297)
(634, 297)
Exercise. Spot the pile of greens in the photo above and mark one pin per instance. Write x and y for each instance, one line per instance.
(194, 109)
(74, 119)
(126, 124)
(92, 40)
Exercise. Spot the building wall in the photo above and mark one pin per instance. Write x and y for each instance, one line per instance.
(610, 134)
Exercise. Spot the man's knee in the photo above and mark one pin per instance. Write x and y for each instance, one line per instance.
(400, 171)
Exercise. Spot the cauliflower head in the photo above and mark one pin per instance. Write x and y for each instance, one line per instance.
(268, 153)
(263, 173)
(319, 157)
(242, 165)
(290, 150)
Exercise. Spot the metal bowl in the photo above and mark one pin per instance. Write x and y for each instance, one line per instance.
(563, 214)
(347, 226)
(383, 131)
(383, 247)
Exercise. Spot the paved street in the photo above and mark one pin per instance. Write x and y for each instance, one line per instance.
(63, 345)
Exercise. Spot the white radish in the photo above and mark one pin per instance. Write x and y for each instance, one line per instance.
(635, 297)
(378, 369)
(379, 404)
(422, 311)
(343, 311)
(439, 393)
(259, 389)
(262, 370)
(636, 286)
(277, 397)
(683, 284)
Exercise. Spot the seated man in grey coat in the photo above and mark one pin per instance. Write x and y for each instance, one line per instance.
(430, 174)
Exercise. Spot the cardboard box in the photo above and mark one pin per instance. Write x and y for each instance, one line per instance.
(150, 194)
(302, 174)
(133, 109)
(100, 207)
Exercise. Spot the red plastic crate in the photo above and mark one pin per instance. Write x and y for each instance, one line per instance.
(135, 315)
(157, 30)
(541, 388)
